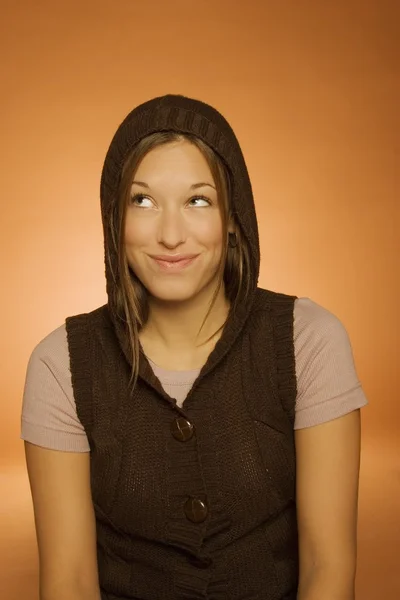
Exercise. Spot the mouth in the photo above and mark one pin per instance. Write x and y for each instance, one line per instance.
(174, 263)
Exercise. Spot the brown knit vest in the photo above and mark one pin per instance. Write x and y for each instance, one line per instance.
(199, 502)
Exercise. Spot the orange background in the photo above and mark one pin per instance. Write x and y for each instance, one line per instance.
(311, 88)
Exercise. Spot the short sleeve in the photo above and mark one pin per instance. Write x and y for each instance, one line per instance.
(49, 418)
(327, 383)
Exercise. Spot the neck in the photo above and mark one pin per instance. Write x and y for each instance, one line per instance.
(175, 325)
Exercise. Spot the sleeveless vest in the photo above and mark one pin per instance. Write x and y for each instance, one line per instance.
(195, 502)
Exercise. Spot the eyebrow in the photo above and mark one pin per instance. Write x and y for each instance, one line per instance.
(192, 187)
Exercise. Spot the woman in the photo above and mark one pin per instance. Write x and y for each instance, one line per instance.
(197, 436)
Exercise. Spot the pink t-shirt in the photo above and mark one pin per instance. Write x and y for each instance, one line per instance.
(327, 382)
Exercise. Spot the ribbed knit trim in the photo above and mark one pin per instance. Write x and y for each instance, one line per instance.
(81, 364)
(282, 314)
(273, 315)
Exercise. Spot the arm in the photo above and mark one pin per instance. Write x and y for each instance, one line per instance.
(65, 523)
(328, 462)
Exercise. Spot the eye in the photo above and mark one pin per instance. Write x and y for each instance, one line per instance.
(140, 200)
(200, 201)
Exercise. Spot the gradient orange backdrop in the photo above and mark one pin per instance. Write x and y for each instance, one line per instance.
(311, 89)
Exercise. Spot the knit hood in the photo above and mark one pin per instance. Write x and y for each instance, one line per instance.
(183, 115)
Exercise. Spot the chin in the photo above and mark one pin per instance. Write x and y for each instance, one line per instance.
(171, 294)
(176, 291)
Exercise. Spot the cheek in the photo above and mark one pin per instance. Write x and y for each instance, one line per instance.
(209, 232)
(136, 232)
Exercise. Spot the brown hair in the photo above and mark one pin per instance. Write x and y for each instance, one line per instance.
(234, 271)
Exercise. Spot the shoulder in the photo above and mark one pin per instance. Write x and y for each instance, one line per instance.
(319, 336)
(315, 322)
(326, 377)
(52, 350)
(312, 322)
(48, 366)
(327, 380)
(48, 417)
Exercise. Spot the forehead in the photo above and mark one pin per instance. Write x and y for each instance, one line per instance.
(179, 159)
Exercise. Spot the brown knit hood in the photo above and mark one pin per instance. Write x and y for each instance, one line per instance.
(184, 115)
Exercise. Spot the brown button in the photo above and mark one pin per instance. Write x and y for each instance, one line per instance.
(182, 429)
(196, 510)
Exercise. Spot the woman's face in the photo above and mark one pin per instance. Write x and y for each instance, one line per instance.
(173, 231)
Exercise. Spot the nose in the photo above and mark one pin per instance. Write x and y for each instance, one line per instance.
(172, 230)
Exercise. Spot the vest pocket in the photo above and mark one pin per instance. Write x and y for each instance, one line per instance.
(278, 457)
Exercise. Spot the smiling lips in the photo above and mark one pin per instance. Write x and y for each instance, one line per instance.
(175, 262)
